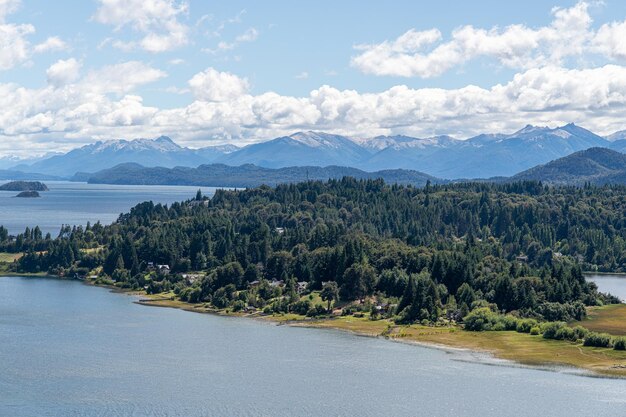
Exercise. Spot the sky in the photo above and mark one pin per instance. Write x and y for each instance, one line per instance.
(204, 73)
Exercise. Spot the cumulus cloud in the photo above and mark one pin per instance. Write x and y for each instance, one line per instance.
(223, 107)
(425, 54)
(213, 85)
(156, 20)
(63, 72)
(15, 47)
(7, 7)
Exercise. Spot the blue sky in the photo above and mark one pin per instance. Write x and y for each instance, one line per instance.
(73, 72)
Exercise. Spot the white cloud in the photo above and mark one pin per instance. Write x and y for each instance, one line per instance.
(302, 76)
(121, 78)
(14, 45)
(63, 72)
(157, 20)
(249, 35)
(73, 112)
(7, 7)
(53, 43)
(212, 85)
(15, 48)
(423, 54)
(610, 40)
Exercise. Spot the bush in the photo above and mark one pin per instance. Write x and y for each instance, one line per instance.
(597, 340)
(565, 333)
(580, 332)
(535, 331)
(510, 322)
(550, 329)
(480, 319)
(524, 326)
(619, 343)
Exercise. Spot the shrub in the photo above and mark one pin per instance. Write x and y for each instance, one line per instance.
(535, 331)
(498, 326)
(480, 319)
(524, 326)
(510, 322)
(565, 333)
(619, 343)
(550, 329)
(580, 332)
(597, 340)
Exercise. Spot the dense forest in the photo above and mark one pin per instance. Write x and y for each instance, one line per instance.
(413, 254)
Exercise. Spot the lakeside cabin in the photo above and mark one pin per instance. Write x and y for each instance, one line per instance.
(163, 269)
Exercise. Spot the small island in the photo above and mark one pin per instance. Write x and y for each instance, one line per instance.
(24, 186)
(28, 194)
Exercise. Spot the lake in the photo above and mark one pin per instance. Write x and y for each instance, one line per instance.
(68, 349)
(613, 284)
(78, 203)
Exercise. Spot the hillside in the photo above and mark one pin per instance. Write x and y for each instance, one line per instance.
(595, 165)
(219, 175)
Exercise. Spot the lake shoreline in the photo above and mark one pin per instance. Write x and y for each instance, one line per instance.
(505, 348)
(390, 331)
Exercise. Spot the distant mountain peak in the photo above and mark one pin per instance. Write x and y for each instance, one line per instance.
(529, 129)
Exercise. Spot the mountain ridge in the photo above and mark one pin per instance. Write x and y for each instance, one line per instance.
(483, 156)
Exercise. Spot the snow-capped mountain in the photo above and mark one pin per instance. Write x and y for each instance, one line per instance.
(489, 155)
(481, 156)
(161, 151)
(302, 148)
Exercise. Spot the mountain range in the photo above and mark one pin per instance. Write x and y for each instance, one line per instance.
(597, 166)
(161, 151)
(482, 156)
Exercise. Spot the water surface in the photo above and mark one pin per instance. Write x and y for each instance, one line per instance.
(67, 349)
(613, 284)
(78, 203)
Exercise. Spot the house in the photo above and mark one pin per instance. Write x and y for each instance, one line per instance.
(150, 266)
(301, 286)
(280, 230)
(254, 284)
(163, 269)
(522, 258)
(276, 283)
(191, 278)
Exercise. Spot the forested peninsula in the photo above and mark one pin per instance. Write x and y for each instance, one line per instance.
(496, 267)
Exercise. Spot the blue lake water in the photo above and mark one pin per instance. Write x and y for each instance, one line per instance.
(613, 284)
(77, 203)
(67, 349)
